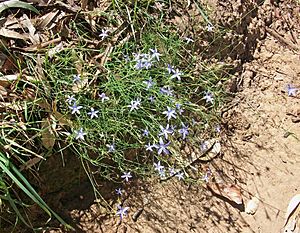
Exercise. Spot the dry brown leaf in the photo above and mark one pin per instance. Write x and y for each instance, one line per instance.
(43, 22)
(62, 120)
(12, 34)
(48, 137)
(6, 80)
(30, 163)
(28, 24)
(229, 191)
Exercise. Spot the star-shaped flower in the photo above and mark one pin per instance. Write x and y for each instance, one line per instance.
(134, 104)
(122, 211)
(292, 91)
(170, 113)
(209, 97)
(103, 97)
(180, 176)
(75, 108)
(126, 176)
(111, 147)
(149, 83)
(165, 131)
(103, 34)
(188, 40)
(183, 131)
(76, 78)
(210, 27)
(158, 166)
(80, 134)
(119, 191)
(93, 113)
(176, 74)
(170, 69)
(71, 99)
(155, 54)
(162, 147)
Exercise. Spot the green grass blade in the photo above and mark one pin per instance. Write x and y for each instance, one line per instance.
(17, 4)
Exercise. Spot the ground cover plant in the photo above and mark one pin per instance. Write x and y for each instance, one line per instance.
(123, 95)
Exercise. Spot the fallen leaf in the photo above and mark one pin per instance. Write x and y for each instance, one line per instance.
(6, 80)
(47, 134)
(12, 34)
(229, 191)
(43, 22)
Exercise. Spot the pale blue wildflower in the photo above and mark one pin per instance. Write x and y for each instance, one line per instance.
(103, 97)
(176, 74)
(183, 131)
(126, 176)
(218, 129)
(134, 104)
(166, 91)
(188, 40)
(76, 78)
(93, 113)
(103, 34)
(71, 99)
(155, 54)
(180, 176)
(165, 131)
(111, 147)
(158, 166)
(149, 147)
(162, 147)
(149, 83)
(204, 146)
(178, 107)
(122, 211)
(170, 113)
(75, 108)
(208, 97)
(172, 171)
(145, 132)
(118, 191)
(170, 69)
(80, 134)
(151, 99)
(292, 91)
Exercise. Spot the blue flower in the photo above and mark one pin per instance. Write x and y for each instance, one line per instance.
(183, 131)
(170, 69)
(167, 91)
(158, 166)
(145, 132)
(291, 90)
(119, 191)
(180, 176)
(71, 99)
(76, 78)
(204, 146)
(149, 147)
(178, 107)
(103, 34)
(103, 97)
(176, 74)
(111, 147)
(165, 131)
(170, 113)
(134, 104)
(155, 54)
(208, 97)
(151, 99)
(126, 176)
(172, 171)
(149, 83)
(122, 211)
(93, 113)
(188, 40)
(75, 108)
(162, 147)
(80, 134)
